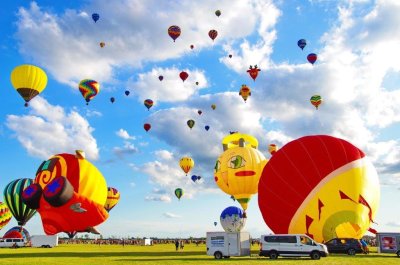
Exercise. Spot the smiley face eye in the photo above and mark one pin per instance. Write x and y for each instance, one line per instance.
(217, 166)
(236, 162)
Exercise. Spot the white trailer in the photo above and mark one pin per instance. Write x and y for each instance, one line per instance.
(388, 243)
(44, 241)
(224, 245)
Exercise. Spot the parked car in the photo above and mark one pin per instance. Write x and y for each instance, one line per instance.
(291, 245)
(349, 246)
(12, 242)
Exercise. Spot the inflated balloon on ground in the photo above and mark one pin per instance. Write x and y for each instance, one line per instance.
(232, 219)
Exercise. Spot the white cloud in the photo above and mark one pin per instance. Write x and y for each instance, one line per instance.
(171, 88)
(127, 149)
(53, 131)
(164, 154)
(159, 198)
(124, 135)
(171, 215)
(71, 52)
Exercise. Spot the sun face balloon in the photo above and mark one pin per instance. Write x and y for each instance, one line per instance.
(69, 193)
(321, 186)
(239, 167)
(232, 219)
(29, 81)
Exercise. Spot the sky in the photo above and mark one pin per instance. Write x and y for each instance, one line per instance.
(357, 74)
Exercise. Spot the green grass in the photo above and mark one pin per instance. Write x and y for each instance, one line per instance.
(163, 255)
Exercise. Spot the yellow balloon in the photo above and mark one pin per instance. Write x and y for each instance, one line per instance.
(186, 163)
(28, 80)
(238, 169)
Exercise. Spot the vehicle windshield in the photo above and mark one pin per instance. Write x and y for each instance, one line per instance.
(306, 240)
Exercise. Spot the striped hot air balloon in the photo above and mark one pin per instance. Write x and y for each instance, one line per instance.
(89, 89)
(5, 215)
(13, 199)
(316, 100)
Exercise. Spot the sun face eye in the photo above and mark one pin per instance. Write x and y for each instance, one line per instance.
(217, 166)
(236, 162)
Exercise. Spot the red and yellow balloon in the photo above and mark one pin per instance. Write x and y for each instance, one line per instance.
(321, 186)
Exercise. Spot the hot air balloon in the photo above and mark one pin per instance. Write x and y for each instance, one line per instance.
(95, 17)
(5, 215)
(302, 43)
(71, 234)
(213, 106)
(272, 148)
(112, 99)
(194, 178)
(127, 92)
(218, 13)
(199, 112)
(232, 219)
(160, 78)
(192, 46)
(213, 34)
(29, 81)
(239, 167)
(102, 44)
(253, 71)
(190, 123)
(148, 103)
(113, 197)
(17, 232)
(316, 100)
(197, 83)
(89, 89)
(321, 186)
(245, 92)
(312, 57)
(13, 198)
(183, 75)
(230, 55)
(207, 127)
(147, 126)
(174, 32)
(69, 193)
(178, 193)
(186, 163)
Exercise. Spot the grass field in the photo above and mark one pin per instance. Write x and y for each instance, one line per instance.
(163, 254)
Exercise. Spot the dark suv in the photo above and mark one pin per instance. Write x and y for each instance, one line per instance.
(349, 246)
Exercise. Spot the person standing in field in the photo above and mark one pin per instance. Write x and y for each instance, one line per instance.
(176, 244)
(182, 244)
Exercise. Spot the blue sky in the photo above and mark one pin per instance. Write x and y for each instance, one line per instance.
(357, 75)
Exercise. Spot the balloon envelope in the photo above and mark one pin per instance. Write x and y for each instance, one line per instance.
(190, 123)
(148, 103)
(178, 193)
(89, 89)
(321, 186)
(113, 197)
(29, 81)
(312, 58)
(174, 32)
(213, 34)
(17, 232)
(302, 43)
(232, 219)
(183, 75)
(13, 198)
(95, 17)
(186, 163)
(147, 126)
(316, 100)
(5, 215)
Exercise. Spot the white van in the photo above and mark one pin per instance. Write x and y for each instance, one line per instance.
(11, 242)
(291, 245)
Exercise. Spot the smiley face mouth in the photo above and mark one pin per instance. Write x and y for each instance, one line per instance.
(245, 173)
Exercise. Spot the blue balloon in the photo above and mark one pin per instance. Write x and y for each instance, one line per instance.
(207, 127)
(232, 219)
(95, 17)
(194, 178)
(302, 43)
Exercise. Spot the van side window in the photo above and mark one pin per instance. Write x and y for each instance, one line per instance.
(8, 240)
(271, 239)
(287, 239)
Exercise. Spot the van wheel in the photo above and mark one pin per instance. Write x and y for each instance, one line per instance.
(218, 255)
(58, 192)
(31, 195)
(273, 255)
(351, 252)
(315, 255)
